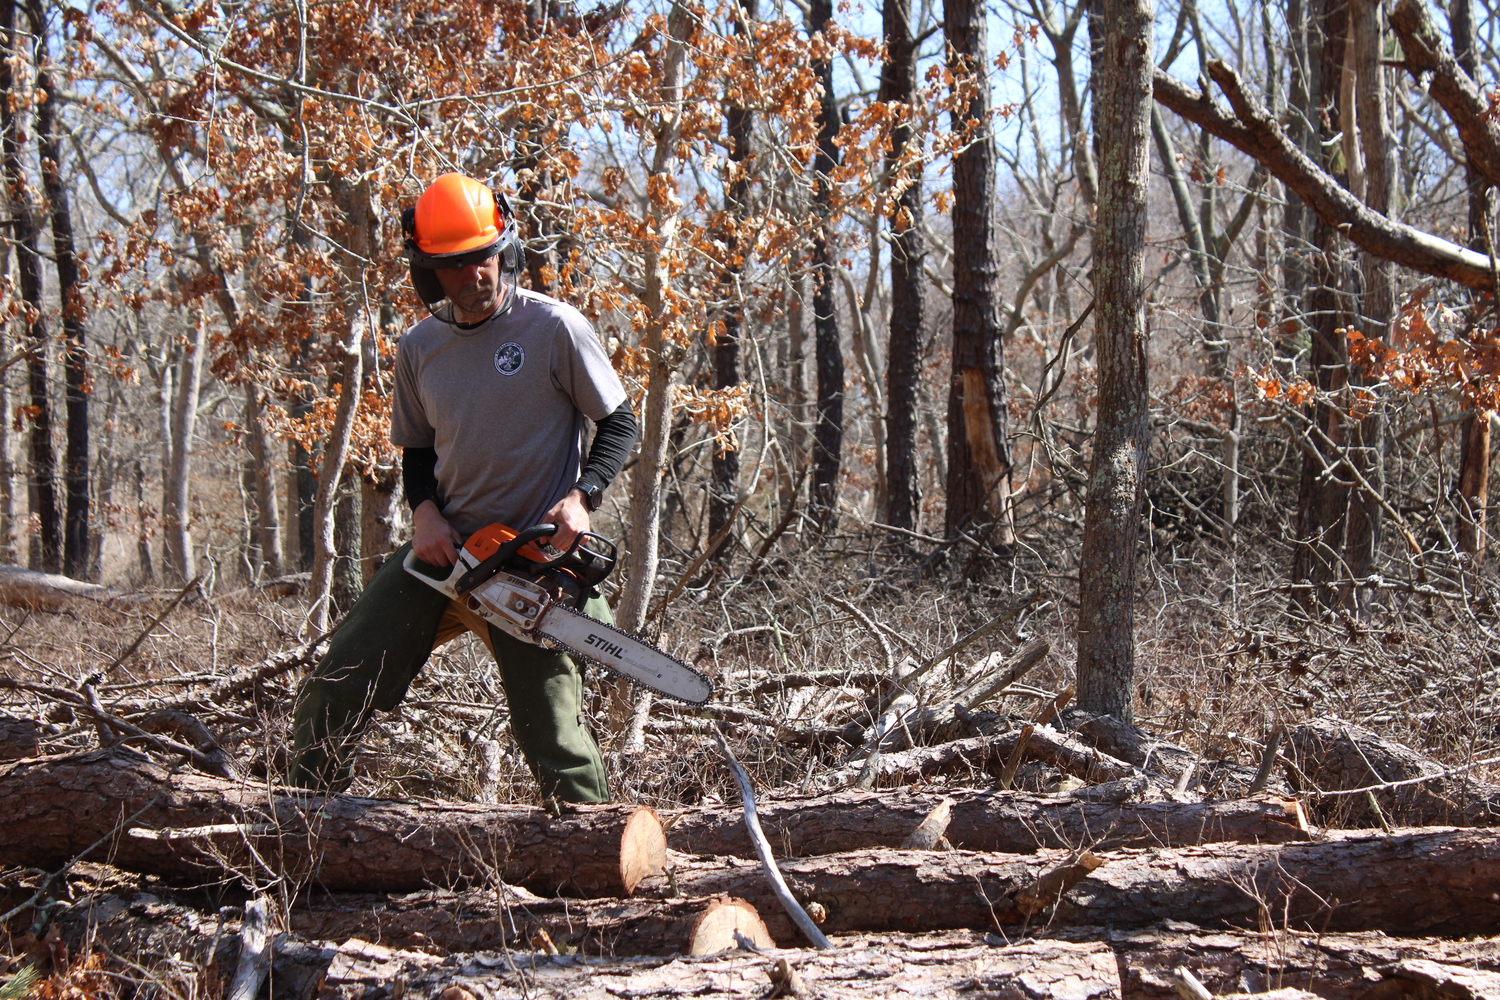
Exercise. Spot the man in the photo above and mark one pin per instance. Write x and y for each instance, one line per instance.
(490, 395)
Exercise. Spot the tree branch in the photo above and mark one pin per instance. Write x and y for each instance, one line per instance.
(1250, 128)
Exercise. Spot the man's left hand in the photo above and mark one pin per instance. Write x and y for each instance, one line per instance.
(571, 515)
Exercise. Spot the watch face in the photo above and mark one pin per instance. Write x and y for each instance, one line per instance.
(592, 494)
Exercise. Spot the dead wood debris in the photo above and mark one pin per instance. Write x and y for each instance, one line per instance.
(1108, 825)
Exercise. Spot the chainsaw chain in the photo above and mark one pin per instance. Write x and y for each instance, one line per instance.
(547, 641)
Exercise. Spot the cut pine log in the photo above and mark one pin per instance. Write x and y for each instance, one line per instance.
(1034, 970)
(1102, 817)
(1337, 966)
(444, 921)
(143, 817)
(149, 932)
(1422, 881)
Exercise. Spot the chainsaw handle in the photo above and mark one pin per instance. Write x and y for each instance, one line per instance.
(497, 559)
(590, 558)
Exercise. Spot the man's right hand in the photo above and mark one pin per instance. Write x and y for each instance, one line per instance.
(433, 539)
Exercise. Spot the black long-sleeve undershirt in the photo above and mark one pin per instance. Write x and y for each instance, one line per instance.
(614, 436)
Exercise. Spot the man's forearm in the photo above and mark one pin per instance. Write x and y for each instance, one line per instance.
(614, 436)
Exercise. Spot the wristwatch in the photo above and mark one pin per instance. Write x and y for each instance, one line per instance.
(592, 495)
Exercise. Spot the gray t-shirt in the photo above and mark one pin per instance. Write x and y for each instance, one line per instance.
(503, 405)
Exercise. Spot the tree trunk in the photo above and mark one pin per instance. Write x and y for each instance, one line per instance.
(360, 222)
(904, 357)
(739, 122)
(656, 427)
(979, 461)
(381, 519)
(1474, 448)
(9, 522)
(1107, 565)
(177, 475)
(75, 331)
(1009, 822)
(263, 479)
(48, 542)
(1377, 304)
(828, 426)
(347, 578)
(143, 527)
(1406, 882)
(338, 842)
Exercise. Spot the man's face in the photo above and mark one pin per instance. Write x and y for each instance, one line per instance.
(474, 291)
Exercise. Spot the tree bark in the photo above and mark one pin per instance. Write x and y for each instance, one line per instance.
(1333, 756)
(979, 461)
(381, 518)
(1474, 439)
(1107, 565)
(48, 542)
(1037, 970)
(1251, 129)
(828, 425)
(263, 480)
(63, 805)
(28, 588)
(1099, 818)
(360, 222)
(76, 549)
(908, 251)
(1407, 882)
(739, 123)
(487, 920)
(183, 419)
(656, 426)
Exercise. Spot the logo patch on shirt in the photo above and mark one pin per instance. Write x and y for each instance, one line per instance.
(509, 358)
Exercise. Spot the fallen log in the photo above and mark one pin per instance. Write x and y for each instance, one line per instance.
(956, 968)
(37, 591)
(1423, 881)
(984, 755)
(143, 817)
(445, 921)
(19, 738)
(1101, 817)
(1338, 966)
(1222, 778)
(1421, 979)
(150, 933)
(1338, 756)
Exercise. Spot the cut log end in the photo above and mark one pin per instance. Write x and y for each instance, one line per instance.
(643, 849)
(724, 924)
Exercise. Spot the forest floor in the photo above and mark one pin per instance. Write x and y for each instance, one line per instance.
(800, 653)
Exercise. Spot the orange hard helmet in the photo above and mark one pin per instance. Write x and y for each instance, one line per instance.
(458, 221)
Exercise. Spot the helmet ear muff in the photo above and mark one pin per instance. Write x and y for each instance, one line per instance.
(512, 251)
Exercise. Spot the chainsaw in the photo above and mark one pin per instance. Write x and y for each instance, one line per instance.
(505, 577)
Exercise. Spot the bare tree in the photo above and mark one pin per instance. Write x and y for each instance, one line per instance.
(828, 428)
(47, 545)
(1107, 567)
(978, 452)
(904, 355)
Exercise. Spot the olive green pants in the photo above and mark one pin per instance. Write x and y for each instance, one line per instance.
(381, 646)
